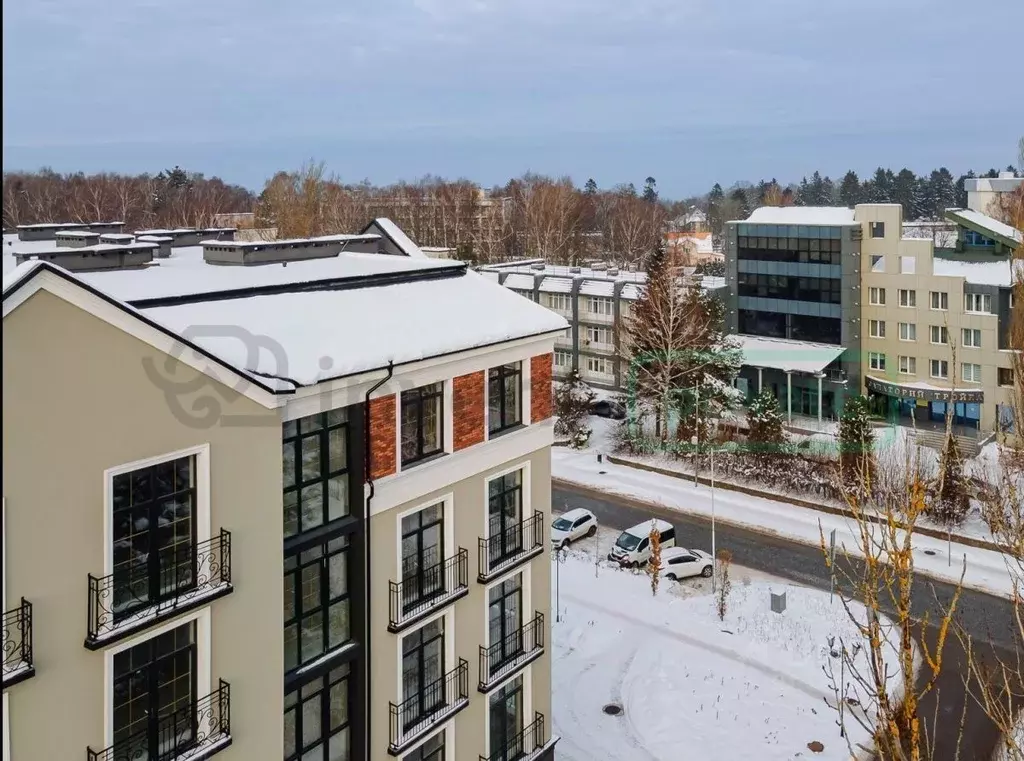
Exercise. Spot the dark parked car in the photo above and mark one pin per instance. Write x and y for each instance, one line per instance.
(608, 408)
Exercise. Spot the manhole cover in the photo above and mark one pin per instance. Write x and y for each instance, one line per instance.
(929, 552)
(613, 709)
(601, 472)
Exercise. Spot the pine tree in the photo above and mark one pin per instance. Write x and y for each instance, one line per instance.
(904, 192)
(715, 221)
(650, 190)
(856, 438)
(953, 498)
(880, 190)
(572, 406)
(849, 190)
(828, 192)
(804, 193)
(591, 187)
(764, 419)
(961, 190)
(943, 190)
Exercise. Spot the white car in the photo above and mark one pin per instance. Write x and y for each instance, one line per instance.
(572, 525)
(680, 563)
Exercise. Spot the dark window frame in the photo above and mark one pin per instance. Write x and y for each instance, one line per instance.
(319, 689)
(423, 690)
(877, 230)
(316, 429)
(427, 577)
(418, 399)
(514, 690)
(318, 559)
(510, 646)
(511, 541)
(509, 416)
(430, 750)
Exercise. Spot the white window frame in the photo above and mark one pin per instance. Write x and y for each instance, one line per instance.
(601, 305)
(975, 376)
(604, 363)
(907, 298)
(876, 360)
(595, 333)
(908, 265)
(940, 298)
(559, 302)
(566, 356)
(973, 300)
(939, 363)
(876, 296)
(907, 365)
(908, 331)
(204, 652)
(974, 333)
(943, 333)
(876, 328)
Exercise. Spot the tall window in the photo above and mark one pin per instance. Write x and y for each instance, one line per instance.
(600, 335)
(505, 616)
(876, 296)
(316, 719)
(422, 422)
(939, 368)
(504, 515)
(559, 302)
(422, 554)
(908, 331)
(878, 229)
(154, 533)
(422, 672)
(907, 298)
(972, 372)
(504, 397)
(908, 365)
(563, 358)
(431, 750)
(316, 602)
(876, 361)
(600, 305)
(977, 302)
(940, 335)
(972, 338)
(506, 720)
(876, 328)
(155, 689)
(939, 300)
(315, 462)
(598, 365)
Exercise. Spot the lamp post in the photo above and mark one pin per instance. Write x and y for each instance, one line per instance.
(714, 556)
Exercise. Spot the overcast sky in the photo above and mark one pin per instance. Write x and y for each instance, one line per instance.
(689, 91)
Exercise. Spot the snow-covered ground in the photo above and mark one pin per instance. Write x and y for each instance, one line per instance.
(752, 686)
(986, 569)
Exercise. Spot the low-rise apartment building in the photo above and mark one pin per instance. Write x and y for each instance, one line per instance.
(596, 301)
(275, 512)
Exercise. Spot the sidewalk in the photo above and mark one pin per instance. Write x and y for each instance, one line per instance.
(986, 570)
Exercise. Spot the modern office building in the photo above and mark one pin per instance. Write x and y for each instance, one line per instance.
(833, 301)
(596, 301)
(275, 512)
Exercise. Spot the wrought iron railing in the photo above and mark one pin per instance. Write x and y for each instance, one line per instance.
(426, 588)
(435, 703)
(17, 642)
(200, 728)
(502, 548)
(160, 584)
(522, 745)
(511, 651)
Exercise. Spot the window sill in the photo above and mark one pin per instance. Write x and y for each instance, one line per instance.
(504, 431)
(422, 460)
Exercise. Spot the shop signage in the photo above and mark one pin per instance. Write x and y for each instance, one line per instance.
(926, 395)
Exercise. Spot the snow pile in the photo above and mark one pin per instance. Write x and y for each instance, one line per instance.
(751, 686)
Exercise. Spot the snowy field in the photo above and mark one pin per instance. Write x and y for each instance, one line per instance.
(752, 686)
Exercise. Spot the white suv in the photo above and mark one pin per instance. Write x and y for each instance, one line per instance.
(572, 525)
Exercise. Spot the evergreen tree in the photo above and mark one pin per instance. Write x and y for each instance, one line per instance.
(650, 190)
(572, 406)
(715, 220)
(904, 192)
(591, 187)
(926, 198)
(817, 190)
(849, 190)
(804, 193)
(764, 418)
(739, 196)
(953, 499)
(856, 438)
(828, 192)
(961, 190)
(880, 188)
(943, 190)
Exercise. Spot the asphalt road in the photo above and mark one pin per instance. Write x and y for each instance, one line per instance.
(989, 619)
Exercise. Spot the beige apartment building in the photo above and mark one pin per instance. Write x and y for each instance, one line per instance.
(267, 512)
(934, 322)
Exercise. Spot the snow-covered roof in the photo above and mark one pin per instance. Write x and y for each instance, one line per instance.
(48, 225)
(555, 285)
(597, 288)
(155, 239)
(997, 272)
(787, 355)
(397, 236)
(401, 322)
(802, 215)
(1004, 183)
(695, 216)
(986, 224)
(710, 282)
(631, 292)
(75, 234)
(519, 282)
(255, 244)
(559, 270)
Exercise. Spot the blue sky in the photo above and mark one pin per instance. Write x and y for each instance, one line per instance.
(689, 91)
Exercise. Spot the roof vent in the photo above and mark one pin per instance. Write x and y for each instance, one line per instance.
(1006, 175)
(613, 271)
(537, 266)
(574, 270)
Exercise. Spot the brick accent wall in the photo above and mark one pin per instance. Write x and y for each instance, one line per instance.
(382, 437)
(468, 410)
(540, 387)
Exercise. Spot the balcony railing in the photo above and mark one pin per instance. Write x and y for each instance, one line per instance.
(196, 731)
(17, 640)
(511, 653)
(165, 584)
(524, 746)
(435, 704)
(511, 546)
(427, 589)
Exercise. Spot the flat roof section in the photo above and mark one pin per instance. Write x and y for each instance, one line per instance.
(787, 355)
(801, 215)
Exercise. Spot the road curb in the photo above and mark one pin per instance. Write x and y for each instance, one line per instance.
(969, 541)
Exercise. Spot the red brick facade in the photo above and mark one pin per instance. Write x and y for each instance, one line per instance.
(468, 410)
(540, 387)
(382, 436)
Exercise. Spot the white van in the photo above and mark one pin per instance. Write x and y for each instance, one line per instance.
(633, 547)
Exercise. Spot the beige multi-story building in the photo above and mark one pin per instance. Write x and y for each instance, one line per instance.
(275, 512)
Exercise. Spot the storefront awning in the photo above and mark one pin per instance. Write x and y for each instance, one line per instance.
(787, 355)
(924, 391)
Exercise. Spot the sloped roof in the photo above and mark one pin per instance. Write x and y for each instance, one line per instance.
(986, 225)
